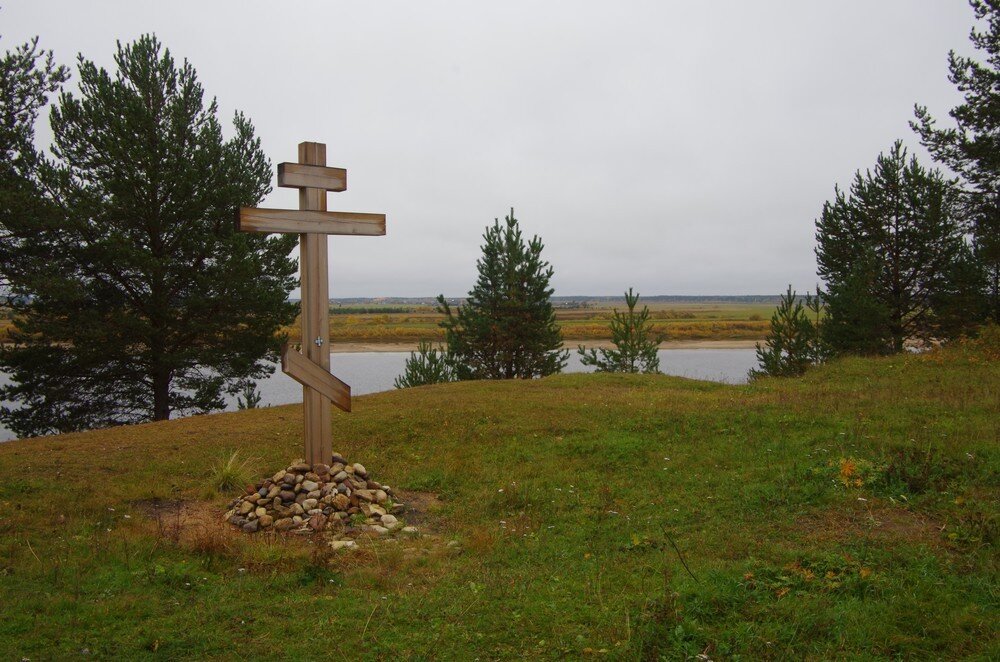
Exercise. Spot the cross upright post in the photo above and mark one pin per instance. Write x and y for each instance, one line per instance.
(312, 222)
(315, 293)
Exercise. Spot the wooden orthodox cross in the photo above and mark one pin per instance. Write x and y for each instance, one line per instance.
(312, 222)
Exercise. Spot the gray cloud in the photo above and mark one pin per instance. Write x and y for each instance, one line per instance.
(678, 147)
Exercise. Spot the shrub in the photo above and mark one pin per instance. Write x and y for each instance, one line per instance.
(427, 365)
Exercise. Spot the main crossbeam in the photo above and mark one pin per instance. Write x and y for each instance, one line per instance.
(273, 221)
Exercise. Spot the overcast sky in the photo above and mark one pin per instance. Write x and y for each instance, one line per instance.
(676, 147)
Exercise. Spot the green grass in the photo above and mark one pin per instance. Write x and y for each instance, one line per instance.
(848, 514)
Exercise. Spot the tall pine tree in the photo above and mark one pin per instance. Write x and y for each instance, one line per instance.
(507, 327)
(136, 298)
(903, 219)
(972, 150)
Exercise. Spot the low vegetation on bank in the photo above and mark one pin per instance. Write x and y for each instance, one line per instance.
(686, 321)
(848, 513)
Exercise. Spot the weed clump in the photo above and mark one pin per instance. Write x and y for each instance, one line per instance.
(233, 472)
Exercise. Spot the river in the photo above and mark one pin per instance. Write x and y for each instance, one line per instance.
(371, 372)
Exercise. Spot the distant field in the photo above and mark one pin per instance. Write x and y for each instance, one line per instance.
(674, 321)
(388, 323)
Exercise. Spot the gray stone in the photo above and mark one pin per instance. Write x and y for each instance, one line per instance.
(260, 512)
(251, 526)
(310, 485)
(309, 504)
(340, 477)
(315, 494)
(366, 495)
(342, 544)
(287, 496)
(381, 496)
(389, 521)
(410, 530)
(337, 458)
(297, 509)
(278, 476)
(380, 530)
(359, 469)
(245, 507)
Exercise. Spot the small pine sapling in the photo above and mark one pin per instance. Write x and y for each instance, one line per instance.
(427, 365)
(635, 344)
(793, 343)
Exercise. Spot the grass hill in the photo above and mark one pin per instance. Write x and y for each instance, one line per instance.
(850, 513)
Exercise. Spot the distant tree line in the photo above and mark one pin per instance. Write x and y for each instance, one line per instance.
(908, 254)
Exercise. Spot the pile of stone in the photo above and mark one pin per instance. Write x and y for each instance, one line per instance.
(340, 498)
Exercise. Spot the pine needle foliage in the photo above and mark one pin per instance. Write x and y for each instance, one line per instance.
(635, 343)
(427, 365)
(969, 149)
(793, 343)
(506, 329)
(134, 296)
(898, 230)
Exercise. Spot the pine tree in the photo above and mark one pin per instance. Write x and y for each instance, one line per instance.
(635, 345)
(28, 75)
(792, 344)
(427, 365)
(904, 218)
(970, 149)
(135, 296)
(507, 328)
(858, 321)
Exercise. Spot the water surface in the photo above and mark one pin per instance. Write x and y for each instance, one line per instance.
(371, 372)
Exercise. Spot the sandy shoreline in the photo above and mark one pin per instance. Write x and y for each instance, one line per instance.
(569, 344)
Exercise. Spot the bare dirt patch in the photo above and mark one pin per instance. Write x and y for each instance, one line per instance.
(195, 524)
(420, 508)
(880, 521)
